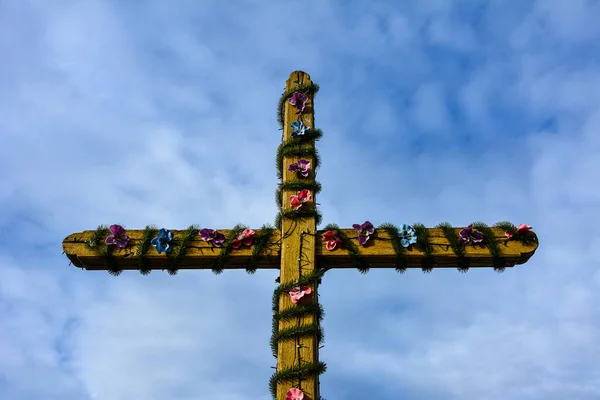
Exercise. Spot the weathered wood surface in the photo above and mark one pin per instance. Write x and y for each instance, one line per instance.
(199, 254)
(297, 259)
(379, 253)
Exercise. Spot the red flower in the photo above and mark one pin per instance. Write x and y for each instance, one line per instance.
(331, 240)
(302, 197)
(245, 238)
(521, 229)
(294, 394)
(298, 292)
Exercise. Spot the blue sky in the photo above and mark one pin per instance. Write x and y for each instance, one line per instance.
(164, 113)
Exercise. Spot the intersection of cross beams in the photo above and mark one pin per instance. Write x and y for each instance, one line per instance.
(296, 249)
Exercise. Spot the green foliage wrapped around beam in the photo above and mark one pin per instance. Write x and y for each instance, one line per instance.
(454, 242)
(304, 89)
(143, 246)
(180, 250)
(492, 244)
(394, 234)
(294, 149)
(423, 241)
(260, 244)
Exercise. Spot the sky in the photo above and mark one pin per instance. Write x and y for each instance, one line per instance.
(164, 113)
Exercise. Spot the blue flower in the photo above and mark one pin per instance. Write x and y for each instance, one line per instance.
(163, 241)
(298, 128)
(408, 235)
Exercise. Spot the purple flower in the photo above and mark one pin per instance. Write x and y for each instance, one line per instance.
(211, 235)
(364, 231)
(469, 234)
(118, 237)
(298, 100)
(301, 167)
(299, 129)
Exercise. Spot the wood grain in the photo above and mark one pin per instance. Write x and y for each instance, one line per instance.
(379, 253)
(199, 254)
(295, 247)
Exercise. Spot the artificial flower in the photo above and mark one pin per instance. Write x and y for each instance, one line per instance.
(364, 232)
(299, 129)
(301, 167)
(520, 229)
(302, 197)
(469, 234)
(294, 394)
(408, 235)
(213, 236)
(245, 238)
(163, 241)
(298, 100)
(298, 292)
(331, 239)
(117, 237)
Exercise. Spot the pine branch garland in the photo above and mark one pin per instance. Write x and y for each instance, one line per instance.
(353, 251)
(180, 250)
(259, 245)
(97, 238)
(304, 89)
(394, 235)
(143, 246)
(217, 267)
(492, 244)
(295, 373)
(423, 242)
(454, 243)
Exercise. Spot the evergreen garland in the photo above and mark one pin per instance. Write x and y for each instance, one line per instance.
(143, 246)
(97, 238)
(454, 243)
(298, 372)
(313, 88)
(179, 251)
(492, 244)
(258, 247)
(353, 251)
(394, 234)
(97, 243)
(297, 146)
(180, 246)
(423, 242)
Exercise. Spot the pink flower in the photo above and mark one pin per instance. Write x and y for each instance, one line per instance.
(331, 240)
(298, 292)
(520, 229)
(245, 238)
(302, 197)
(294, 394)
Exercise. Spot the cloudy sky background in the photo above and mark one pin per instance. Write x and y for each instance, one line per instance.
(164, 113)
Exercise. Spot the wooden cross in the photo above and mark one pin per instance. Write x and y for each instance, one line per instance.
(299, 251)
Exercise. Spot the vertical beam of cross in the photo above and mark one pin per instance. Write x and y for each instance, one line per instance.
(297, 258)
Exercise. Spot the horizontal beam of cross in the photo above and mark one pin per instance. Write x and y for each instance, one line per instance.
(379, 253)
